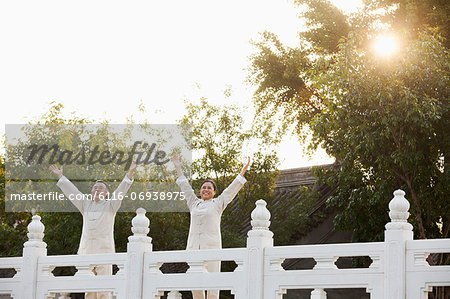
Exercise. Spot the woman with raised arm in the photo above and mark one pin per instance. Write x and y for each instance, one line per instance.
(206, 212)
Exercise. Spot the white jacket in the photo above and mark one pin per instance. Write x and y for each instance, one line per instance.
(204, 231)
(98, 217)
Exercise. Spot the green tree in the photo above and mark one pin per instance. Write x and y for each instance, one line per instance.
(386, 123)
(384, 120)
(326, 24)
(63, 229)
(13, 226)
(221, 140)
(411, 16)
(286, 93)
(219, 137)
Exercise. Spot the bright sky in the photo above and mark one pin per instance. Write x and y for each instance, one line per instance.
(102, 58)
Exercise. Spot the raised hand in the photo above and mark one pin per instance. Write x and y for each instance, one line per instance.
(132, 170)
(244, 169)
(58, 172)
(176, 162)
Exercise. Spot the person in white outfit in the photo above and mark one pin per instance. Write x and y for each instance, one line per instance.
(206, 212)
(98, 218)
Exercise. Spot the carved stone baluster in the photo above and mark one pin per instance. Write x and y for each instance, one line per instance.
(325, 262)
(275, 265)
(84, 270)
(174, 295)
(375, 262)
(196, 266)
(318, 294)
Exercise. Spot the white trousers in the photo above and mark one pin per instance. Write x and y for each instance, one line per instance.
(211, 266)
(100, 270)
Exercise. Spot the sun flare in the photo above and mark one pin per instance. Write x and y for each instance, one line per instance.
(385, 45)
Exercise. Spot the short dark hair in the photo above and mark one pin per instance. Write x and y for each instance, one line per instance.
(209, 181)
(104, 183)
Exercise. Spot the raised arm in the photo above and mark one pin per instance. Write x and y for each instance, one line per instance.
(230, 192)
(244, 169)
(183, 183)
(67, 187)
(123, 188)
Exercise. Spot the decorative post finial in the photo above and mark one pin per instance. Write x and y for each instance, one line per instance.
(140, 224)
(260, 222)
(398, 212)
(260, 216)
(35, 233)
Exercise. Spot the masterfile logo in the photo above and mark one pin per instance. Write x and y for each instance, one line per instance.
(91, 152)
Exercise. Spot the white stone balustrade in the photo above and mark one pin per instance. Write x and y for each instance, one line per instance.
(138, 244)
(156, 282)
(399, 268)
(83, 279)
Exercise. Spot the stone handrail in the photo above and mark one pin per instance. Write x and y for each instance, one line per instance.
(399, 267)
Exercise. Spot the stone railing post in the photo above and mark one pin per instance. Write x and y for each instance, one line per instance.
(397, 232)
(174, 295)
(34, 248)
(318, 294)
(258, 238)
(138, 244)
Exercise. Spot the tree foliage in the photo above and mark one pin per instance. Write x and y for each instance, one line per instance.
(326, 24)
(385, 120)
(63, 229)
(386, 126)
(410, 16)
(13, 226)
(220, 139)
(286, 92)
